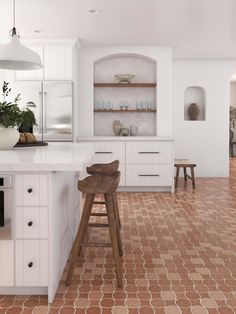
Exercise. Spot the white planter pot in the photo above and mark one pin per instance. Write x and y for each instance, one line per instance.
(8, 138)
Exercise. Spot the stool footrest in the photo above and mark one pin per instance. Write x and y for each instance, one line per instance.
(97, 225)
(98, 202)
(99, 214)
(89, 244)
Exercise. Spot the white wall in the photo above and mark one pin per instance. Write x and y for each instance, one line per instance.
(87, 57)
(203, 142)
(233, 94)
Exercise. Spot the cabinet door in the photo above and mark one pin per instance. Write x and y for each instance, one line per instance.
(152, 152)
(31, 189)
(31, 263)
(31, 222)
(58, 63)
(7, 263)
(32, 75)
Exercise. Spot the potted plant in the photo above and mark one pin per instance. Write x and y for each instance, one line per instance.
(10, 119)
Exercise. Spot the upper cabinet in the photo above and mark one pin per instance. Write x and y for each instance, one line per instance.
(57, 61)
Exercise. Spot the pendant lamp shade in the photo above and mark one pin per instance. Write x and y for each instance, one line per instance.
(15, 56)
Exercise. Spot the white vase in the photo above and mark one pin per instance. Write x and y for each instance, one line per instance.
(8, 138)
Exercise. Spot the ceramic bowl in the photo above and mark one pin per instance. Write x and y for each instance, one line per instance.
(124, 78)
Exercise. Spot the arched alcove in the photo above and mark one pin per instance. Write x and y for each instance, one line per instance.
(196, 95)
(140, 99)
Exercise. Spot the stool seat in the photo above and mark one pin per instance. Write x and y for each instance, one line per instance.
(184, 163)
(105, 169)
(100, 184)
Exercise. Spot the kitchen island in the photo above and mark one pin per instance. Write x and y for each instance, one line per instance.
(42, 208)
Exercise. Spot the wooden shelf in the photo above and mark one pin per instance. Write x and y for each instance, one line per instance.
(125, 84)
(125, 111)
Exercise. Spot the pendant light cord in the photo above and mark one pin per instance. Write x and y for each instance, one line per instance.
(14, 18)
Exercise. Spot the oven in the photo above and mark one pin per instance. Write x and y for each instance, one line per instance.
(5, 198)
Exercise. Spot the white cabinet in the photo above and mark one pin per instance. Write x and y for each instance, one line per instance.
(57, 64)
(31, 230)
(7, 263)
(31, 189)
(31, 222)
(143, 163)
(31, 262)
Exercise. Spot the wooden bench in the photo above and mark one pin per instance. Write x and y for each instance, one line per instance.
(184, 163)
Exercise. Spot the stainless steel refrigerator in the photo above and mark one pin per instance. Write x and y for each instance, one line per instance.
(52, 104)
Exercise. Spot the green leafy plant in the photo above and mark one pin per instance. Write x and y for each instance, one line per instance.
(10, 113)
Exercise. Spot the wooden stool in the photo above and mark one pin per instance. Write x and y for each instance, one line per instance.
(105, 169)
(92, 185)
(184, 163)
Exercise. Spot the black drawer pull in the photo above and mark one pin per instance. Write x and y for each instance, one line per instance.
(149, 152)
(30, 190)
(30, 264)
(149, 175)
(30, 223)
(103, 152)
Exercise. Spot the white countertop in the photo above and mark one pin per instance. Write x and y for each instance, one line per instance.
(125, 138)
(54, 157)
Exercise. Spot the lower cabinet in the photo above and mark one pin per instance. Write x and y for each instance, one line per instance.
(7, 263)
(147, 163)
(31, 262)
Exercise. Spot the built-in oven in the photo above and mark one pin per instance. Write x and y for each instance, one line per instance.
(5, 198)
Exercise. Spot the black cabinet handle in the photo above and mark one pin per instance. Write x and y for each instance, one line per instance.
(30, 264)
(30, 223)
(103, 152)
(30, 190)
(149, 152)
(149, 175)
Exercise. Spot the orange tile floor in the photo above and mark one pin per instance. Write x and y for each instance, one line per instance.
(179, 257)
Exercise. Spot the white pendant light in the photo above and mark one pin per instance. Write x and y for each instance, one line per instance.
(15, 56)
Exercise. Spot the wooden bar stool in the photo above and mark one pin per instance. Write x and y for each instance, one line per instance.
(92, 185)
(184, 163)
(105, 169)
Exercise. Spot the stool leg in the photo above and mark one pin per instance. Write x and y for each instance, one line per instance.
(116, 213)
(117, 210)
(112, 229)
(80, 235)
(177, 177)
(185, 174)
(193, 178)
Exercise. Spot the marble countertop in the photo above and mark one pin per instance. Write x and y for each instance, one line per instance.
(54, 157)
(125, 138)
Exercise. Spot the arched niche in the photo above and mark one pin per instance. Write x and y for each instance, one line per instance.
(110, 97)
(195, 94)
(143, 67)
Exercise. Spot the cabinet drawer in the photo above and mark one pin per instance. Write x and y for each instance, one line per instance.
(122, 174)
(149, 152)
(7, 263)
(149, 175)
(31, 189)
(108, 151)
(31, 263)
(31, 222)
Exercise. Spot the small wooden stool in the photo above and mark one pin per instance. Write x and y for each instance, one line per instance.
(105, 169)
(184, 163)
(92, 185)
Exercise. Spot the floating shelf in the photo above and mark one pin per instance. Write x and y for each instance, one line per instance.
(125, 111)
(125, 84)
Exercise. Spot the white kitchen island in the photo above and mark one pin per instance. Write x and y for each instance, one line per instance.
(42, 213)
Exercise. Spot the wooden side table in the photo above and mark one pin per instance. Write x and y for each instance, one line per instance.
(184, 163)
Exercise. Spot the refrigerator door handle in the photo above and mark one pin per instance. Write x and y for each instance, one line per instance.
(40, 117)
(44, 112)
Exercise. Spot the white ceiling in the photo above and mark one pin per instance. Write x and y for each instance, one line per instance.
(195, 28)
